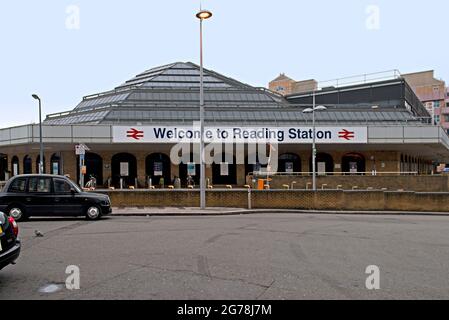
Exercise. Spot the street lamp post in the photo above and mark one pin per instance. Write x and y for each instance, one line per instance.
(312, 111)
(41, 156)
(202, 15)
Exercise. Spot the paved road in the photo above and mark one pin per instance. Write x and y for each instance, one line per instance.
(266, 256)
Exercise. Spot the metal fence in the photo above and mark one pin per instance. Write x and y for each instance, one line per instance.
(323, 174)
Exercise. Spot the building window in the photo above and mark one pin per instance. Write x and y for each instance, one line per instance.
(446, 118)
(437, 119)
(436, 104)
(279, 88)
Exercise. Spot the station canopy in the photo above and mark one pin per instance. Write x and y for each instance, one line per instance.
(170, 95)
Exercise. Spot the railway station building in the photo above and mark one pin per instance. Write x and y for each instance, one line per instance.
(368, 128)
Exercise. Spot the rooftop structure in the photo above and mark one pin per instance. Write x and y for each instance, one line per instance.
(170, 94)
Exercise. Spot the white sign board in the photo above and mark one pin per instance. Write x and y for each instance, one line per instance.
(279, 135)
(124, 169)
(224, 169)
(191, 169)
(80, 150)
(158, 169)
(321, 168)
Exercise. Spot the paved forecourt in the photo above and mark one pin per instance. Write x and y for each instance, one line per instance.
(262, 256)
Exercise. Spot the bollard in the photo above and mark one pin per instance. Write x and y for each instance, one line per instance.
(249, 199)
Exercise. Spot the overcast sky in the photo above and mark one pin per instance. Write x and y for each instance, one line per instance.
(64, 50)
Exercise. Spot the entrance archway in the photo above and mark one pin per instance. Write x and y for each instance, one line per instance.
(353, 163)
(27, 165)
(289, 163)
(225, 172)
(15, 168)
(55, 164)
(252, 164)
(157, 166)
(124, 165)
(324, 164)
(38, 159)
(192, 168)
(3, 167)
(94, 167)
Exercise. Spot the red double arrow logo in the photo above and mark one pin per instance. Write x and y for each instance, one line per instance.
(347, 135)
(135, 134)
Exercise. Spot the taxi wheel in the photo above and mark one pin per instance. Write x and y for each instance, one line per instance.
(93, 213)
(17, 212)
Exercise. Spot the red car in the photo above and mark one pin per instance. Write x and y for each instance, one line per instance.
(9, 242)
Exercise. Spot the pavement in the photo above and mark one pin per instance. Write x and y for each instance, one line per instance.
(192, 211)
(270, 256)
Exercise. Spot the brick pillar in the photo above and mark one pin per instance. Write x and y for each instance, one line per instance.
(47, 157)
(305, 162)
(338, 157)
(174, 169)
(241, 178)
(69, 159)
(107, 167)
(209, 173)
(141, 169)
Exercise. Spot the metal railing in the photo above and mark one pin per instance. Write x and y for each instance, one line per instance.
(360, 79)
(324, 174)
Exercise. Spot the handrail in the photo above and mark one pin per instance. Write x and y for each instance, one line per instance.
(295, 174)
(76, 111)
(363, 79)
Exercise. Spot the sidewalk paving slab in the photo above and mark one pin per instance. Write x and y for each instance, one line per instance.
(195, 211)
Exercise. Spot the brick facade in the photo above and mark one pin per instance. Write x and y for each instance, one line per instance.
(381, 161)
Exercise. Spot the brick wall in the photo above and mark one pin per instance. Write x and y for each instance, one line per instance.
(393, 183)
(292, 199)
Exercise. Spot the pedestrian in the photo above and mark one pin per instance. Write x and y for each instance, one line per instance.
(189, 181)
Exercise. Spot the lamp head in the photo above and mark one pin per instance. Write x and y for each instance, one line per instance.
(204, 15)
(320, 108)
(35, 96)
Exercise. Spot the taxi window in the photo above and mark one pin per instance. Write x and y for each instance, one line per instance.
(40, 185)
(18, 185)
(62, 186)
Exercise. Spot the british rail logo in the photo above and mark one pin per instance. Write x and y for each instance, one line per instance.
(346, 134)
(135, 134)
